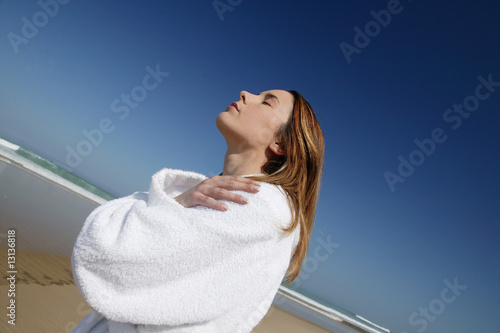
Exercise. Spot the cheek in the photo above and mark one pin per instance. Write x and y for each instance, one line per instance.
(264, 136)
(259, 125)
(262, 130)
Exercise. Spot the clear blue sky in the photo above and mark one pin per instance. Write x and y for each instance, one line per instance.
(374, 92)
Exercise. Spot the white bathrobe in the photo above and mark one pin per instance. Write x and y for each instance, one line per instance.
(148, 264)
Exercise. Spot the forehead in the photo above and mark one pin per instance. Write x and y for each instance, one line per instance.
(285, 98)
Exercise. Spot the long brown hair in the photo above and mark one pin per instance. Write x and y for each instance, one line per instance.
(299, 173)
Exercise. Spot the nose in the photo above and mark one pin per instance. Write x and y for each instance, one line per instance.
(244, 96)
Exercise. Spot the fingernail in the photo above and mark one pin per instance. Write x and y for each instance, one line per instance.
(244, 199)
(226, 207)
(256, 187)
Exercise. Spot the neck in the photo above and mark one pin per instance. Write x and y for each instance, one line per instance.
(242, 163)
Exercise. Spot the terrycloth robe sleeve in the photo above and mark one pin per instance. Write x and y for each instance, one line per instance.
(146, 259)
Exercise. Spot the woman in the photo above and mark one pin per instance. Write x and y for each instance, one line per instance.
(198, 254)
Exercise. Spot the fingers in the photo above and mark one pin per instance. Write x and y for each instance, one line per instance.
(237, 183)
(212, 203)
(220, 187)
(221, 193)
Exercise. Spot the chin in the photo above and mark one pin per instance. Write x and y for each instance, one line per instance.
(219, 119)
(221, 122)
(225, 128)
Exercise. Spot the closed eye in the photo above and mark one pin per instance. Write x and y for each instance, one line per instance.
(266, 103)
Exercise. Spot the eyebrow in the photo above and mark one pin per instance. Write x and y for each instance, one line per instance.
(269, 95)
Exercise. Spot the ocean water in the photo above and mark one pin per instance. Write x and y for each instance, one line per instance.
(350, 318)
(63, 173)
(64, 200)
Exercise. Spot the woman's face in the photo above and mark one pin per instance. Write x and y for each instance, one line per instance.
(254, 119)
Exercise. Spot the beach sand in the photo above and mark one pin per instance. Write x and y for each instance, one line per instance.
(47, 300)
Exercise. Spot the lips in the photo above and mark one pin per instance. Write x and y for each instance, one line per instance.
(235, 106)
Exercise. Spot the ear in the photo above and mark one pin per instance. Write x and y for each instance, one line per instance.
(276, 148)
